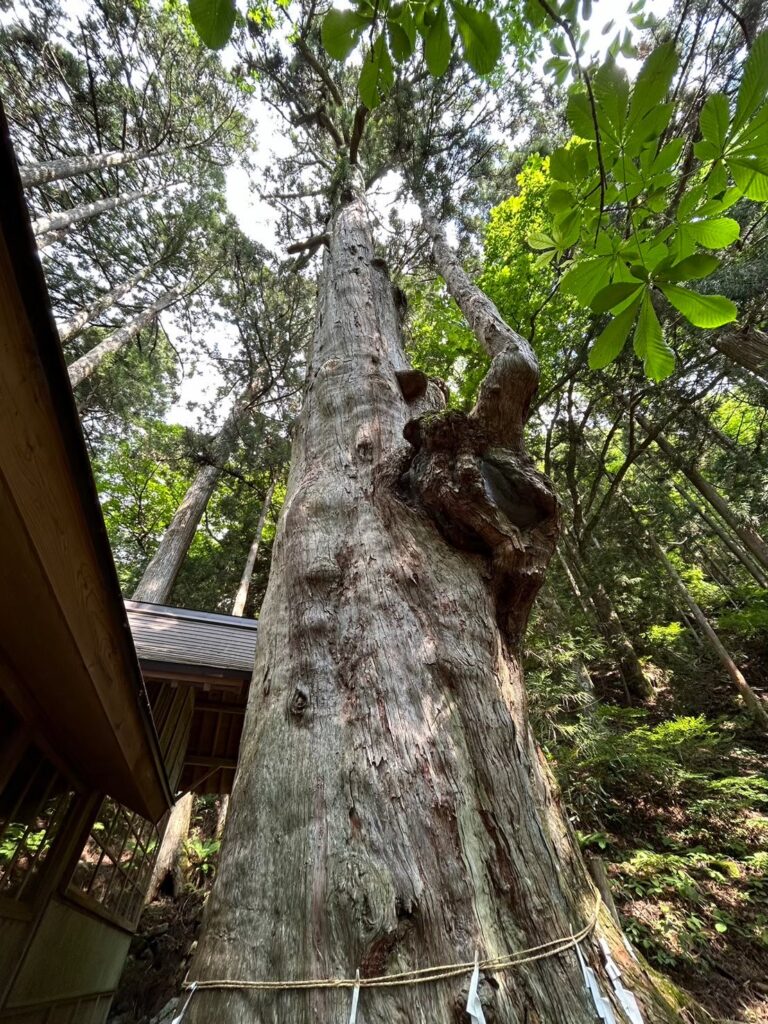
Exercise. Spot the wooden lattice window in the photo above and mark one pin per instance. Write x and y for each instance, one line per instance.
(116, 863)
(34, 800)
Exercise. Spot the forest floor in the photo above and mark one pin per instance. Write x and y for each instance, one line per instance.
(688, 862)
(158, 959)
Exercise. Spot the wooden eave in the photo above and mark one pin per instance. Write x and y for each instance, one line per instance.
(67, 660)
(212, 655)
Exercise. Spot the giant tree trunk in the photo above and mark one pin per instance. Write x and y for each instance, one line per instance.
(87, 314)
(749, 537)
(157, 582)
(752, 701)
(390, 809)
(88, 363)
(70, 166)
(68, 218)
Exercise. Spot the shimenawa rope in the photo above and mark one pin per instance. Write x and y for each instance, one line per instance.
(415, 977)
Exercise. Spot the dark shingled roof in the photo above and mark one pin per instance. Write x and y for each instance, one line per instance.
(225, 644)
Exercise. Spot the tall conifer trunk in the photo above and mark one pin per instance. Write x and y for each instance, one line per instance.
(748, 348)
(391, 810)
(70, 167)
(87, 314)
(68, 218)
(753, 702)
(88, 363)
(156, 584)
(241, 598)
(749, 537)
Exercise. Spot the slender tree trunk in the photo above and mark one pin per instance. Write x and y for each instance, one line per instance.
(390, 809)
(577, 667)
(68, 218)
(718, 571)
(169, 858)
(221, 815)
(87, 314)
(156, 586)
(696, 637)
(69, 167)
(635, 680)
(160, 575)
(589, 610)
(752, 701)
(93, 358)
(748, 348)
(238, 608)
(732, 545)
(749, 537)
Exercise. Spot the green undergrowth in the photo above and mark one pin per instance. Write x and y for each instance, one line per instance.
(675, 805)
(202, 844)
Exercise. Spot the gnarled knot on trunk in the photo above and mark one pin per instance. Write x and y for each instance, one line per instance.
(422, 393)
(488, 499)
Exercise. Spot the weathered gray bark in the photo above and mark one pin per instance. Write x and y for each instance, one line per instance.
(69, 167)
(752, 701)
(732, 545)
(88, 363)
(390, 809)
(68, 218)
(748, 348)
(749, 537)
(88, 314)
(50, 238)
(160, 575)
(241, 597)
(513, 353)
(170, 857)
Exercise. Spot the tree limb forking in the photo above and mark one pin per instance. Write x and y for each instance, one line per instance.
(312, 243)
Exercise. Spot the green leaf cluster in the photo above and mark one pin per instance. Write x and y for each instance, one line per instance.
(628, 229)
(522, 282)
(394, 31)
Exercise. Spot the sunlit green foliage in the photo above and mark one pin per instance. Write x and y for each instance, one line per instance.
(522, 285)
(668, 635)
(441, 344)
(629, 224)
